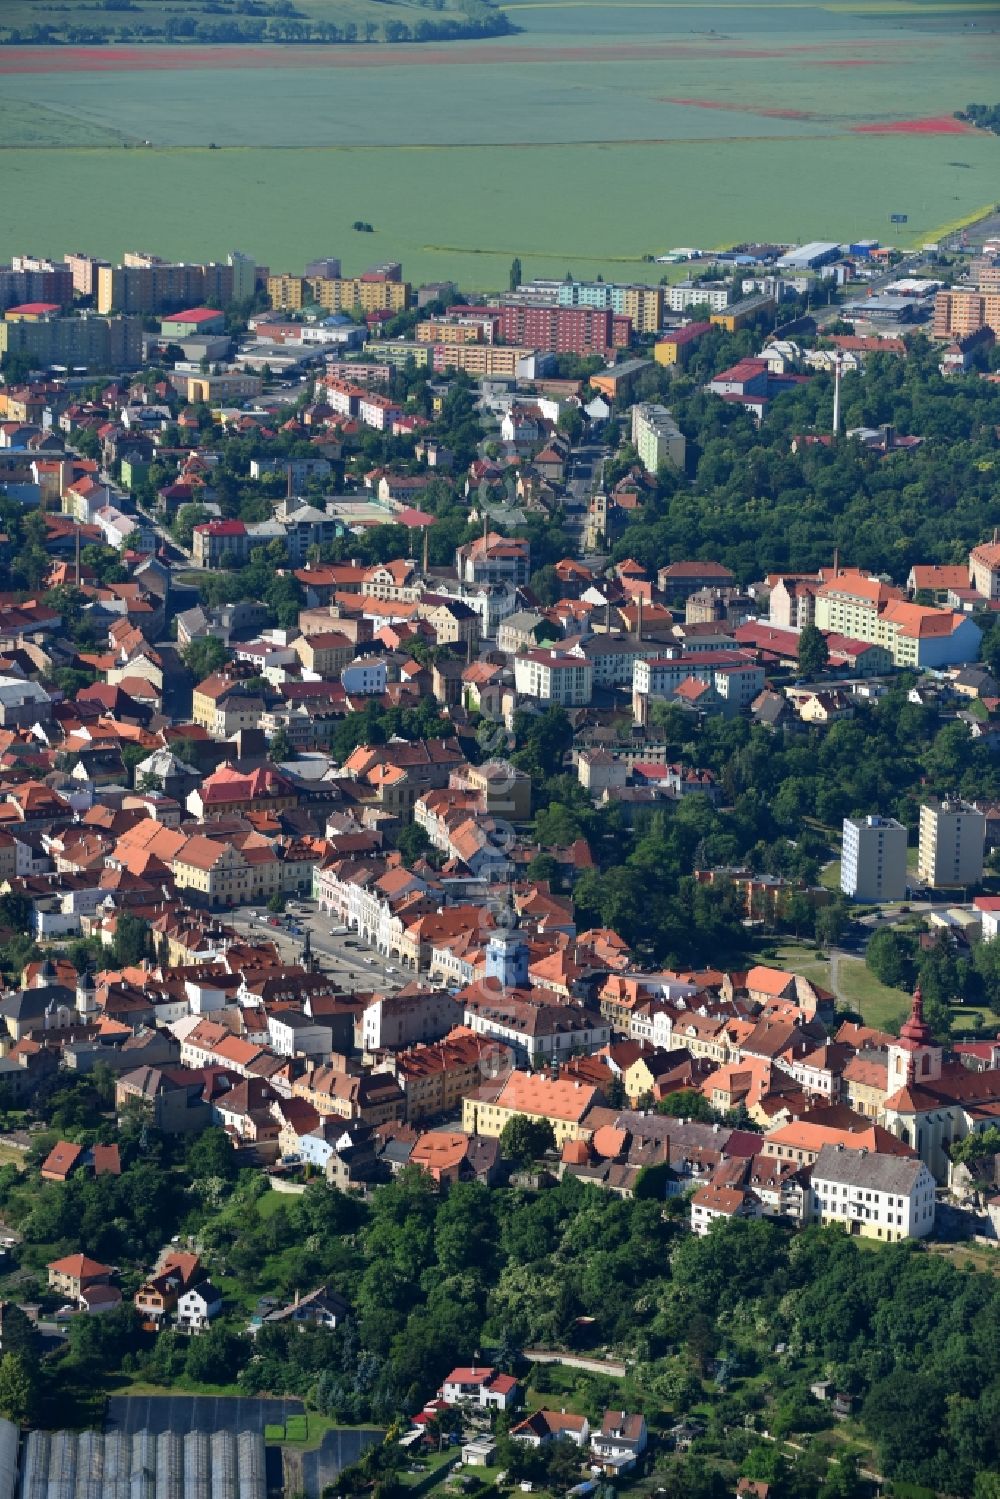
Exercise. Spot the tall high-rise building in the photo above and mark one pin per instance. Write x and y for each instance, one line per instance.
(873, 859)
(244, 269)
(952, 839)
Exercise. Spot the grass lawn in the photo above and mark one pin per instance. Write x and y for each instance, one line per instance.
(852, 983)
(829, 875)
(801, 958)
(11, 1156)
(432, 1462)
(274, 1202)
(860, 989)
(968, 1019)
(180, 1386)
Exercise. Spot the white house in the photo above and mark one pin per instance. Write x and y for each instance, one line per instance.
(480, 1386)
(198, 1307)
(714, 1201)
(320, 1308)
(620, 1441)
(987, 908)
(871, 1195)
(293, 1034)
(365, 675)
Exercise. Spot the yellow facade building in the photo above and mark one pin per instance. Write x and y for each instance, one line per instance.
(562, 1102)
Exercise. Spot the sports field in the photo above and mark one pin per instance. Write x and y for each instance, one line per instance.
(601, 134)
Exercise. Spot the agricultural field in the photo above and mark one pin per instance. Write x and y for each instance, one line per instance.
(597, 136)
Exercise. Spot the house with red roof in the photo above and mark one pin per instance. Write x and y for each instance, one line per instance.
(480, 1385)
(552, 1426)
(77, 1273)
(195, 322)
(213, 540)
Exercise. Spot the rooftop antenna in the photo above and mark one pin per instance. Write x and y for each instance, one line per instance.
(836, 394)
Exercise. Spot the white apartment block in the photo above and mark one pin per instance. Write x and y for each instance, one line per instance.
(952, 840)
(553, 677)
(697, 294)
(735, 678)
(873, 859)
(872, 1196)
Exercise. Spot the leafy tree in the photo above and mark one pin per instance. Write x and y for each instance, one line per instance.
(18, 1387)
(687, 1103)
(211, 1155)
(524, 1140)
(413, 843)
(544, 869)
(831, 923)
(545, 585)
(813, 655)
(204, 656)
(515, 273)
(187, 517)
(133, 941)
(280, 748)
(571, 423)
(889, 956)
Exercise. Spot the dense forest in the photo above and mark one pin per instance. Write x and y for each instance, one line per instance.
(752, 504)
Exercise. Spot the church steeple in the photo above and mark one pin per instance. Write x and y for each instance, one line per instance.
(914, 1057)
(915, 1032)
(506, 951)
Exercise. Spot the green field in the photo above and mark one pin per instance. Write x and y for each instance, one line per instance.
(854, 985)
(597, 136)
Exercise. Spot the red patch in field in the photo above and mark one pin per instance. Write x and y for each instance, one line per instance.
(747, 109)
(934, 125)
(160, 58)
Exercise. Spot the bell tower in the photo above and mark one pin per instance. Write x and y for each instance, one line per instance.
(507, 951)
(914, 1058)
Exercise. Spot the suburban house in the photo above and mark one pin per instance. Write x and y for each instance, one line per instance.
(158, 1296)
(198, 1307)
(620, 1440)
(320, 1308)
(77, 1273)
(484, 1386)
(552, 1426)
